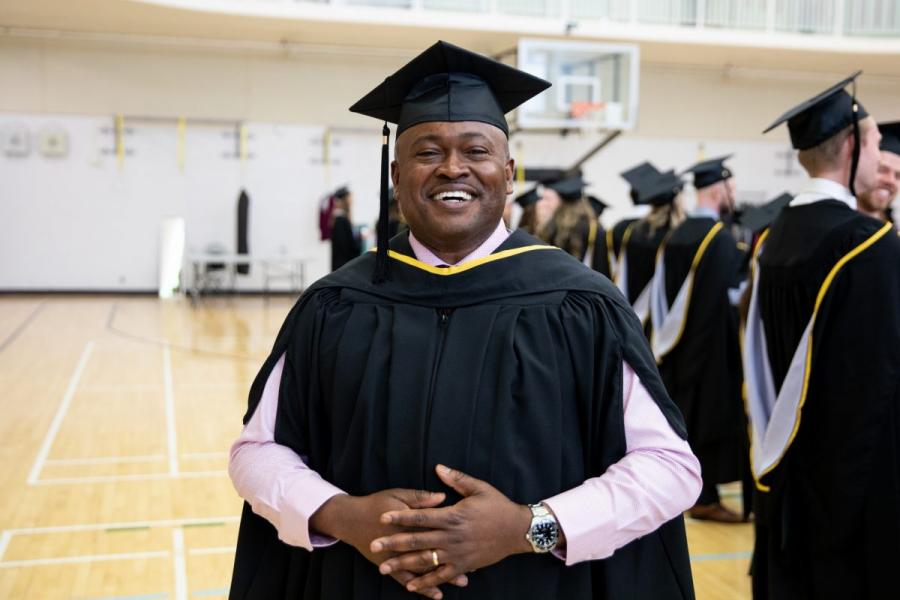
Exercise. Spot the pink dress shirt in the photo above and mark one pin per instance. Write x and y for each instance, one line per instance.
(658, 478)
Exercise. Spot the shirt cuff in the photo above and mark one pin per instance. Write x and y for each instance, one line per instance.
(569, 509)
(303, 498)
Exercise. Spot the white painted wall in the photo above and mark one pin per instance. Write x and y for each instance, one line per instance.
(81, 223)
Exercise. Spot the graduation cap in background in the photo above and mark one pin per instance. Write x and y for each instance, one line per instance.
(660, 189)
(757, 218)
(443, 83)
(709, 172)
(635, 175)
(597, 204)
(890, 137)
(530, 197)
(341, 192)
(569, 189)
(823, 116)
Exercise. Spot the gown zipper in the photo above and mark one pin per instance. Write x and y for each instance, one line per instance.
(443, 321)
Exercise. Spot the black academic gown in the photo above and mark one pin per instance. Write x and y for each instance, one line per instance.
(601, 255)
(510, 371)
(345, 245)
(641, 248)
(703, 371)
(617, 233)
(830, 525)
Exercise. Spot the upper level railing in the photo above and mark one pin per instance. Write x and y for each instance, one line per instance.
(822, 17)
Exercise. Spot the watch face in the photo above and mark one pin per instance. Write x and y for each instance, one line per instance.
(544, 534)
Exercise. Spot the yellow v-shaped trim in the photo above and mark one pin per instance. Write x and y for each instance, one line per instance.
(820, 297)
(471, 264)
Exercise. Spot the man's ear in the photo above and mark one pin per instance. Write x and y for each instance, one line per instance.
(510, 172)
(395, 174)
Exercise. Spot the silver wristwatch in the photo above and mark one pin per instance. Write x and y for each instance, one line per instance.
(543, 534)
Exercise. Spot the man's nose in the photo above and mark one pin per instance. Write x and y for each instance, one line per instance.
(453, 166)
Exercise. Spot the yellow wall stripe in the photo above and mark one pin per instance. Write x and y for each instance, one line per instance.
(471, 264)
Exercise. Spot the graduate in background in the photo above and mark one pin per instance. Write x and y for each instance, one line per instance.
(695, 335)
(528, 202)
(575, 226)
(822, 370)
(615, 234)
(396, 224)
(600, 259)
(345, 241)
(878, 202)
(640, 242)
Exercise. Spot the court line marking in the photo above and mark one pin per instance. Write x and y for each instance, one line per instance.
(169, 393)
(179, 564)
(104, 460)
(722, 556)
(65, 560)
(134, 477)
(56, 423)
(4, 542)
(119, 524)
(21, 327)
(159, 596)
(212, 592)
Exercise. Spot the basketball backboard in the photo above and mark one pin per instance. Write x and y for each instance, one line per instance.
(595, 86)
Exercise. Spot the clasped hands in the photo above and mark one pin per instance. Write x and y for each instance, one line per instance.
(402, 531)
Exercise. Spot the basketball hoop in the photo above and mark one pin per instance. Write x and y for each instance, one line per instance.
(588, 111)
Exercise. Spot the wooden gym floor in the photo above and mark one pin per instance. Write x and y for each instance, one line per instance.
(118, 415)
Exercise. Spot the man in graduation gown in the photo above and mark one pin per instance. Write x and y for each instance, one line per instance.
(878, 201)
(822, 369)
(470, 348)
(642, 238)
(695, 335)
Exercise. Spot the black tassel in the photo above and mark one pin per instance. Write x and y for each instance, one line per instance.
(854, 163)
(381, 254)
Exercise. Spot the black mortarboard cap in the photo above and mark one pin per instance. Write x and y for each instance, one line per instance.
(659, 190)
(569, 189)
(821, 117)
(708, 172)
(757, 218)
(530, 197)
(449, 83)
(890, 137)
(341, 192)
(636, 175)
(597, 204)
(443, 83)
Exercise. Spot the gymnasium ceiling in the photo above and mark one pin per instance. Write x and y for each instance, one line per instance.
(401, 33)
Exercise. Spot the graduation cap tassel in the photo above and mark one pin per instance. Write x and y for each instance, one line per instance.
(854, 163)
(381, 254)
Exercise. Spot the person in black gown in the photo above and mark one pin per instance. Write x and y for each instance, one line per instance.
(696, 340)
(614, 234)
(822, 369)
(345, 241)
(642, 238)
(575, 226)
(519, 369)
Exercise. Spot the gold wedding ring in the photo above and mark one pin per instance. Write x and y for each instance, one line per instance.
(434, 558)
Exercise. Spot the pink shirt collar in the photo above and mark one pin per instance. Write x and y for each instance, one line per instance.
(493, 242)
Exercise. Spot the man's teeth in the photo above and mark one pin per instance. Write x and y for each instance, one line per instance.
(456, 196)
